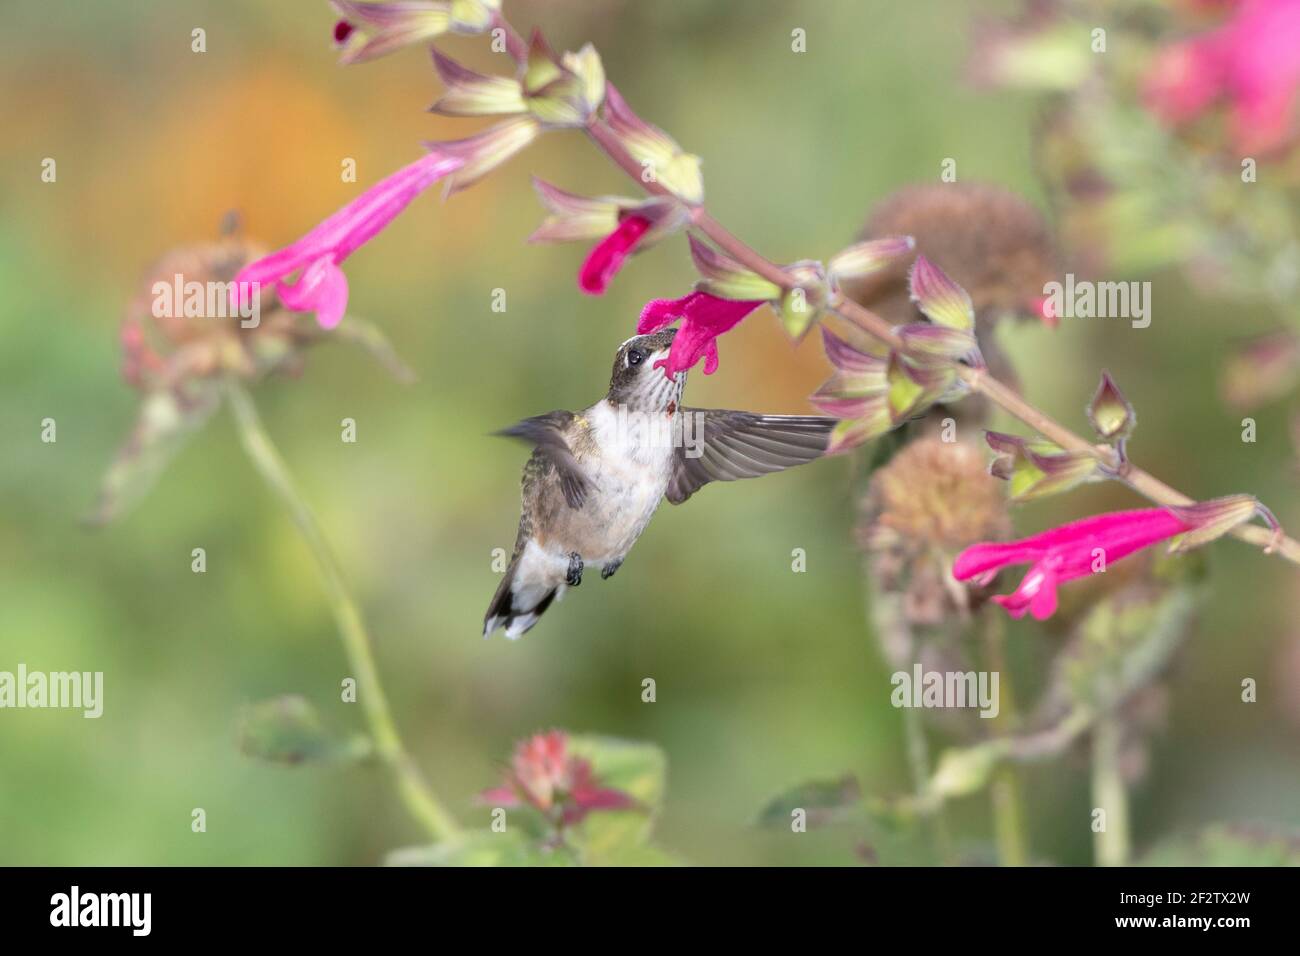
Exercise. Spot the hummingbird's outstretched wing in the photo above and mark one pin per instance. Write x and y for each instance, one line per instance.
(733, 445)
(547, 432)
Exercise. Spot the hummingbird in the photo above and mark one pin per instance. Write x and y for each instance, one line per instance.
(596, 476)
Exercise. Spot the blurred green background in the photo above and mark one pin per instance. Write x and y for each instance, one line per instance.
(765, 677)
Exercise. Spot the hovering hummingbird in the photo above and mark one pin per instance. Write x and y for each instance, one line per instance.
(596, 476)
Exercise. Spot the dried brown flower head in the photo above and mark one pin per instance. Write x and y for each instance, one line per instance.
(933, 499)
(988, 239)
(181, 324)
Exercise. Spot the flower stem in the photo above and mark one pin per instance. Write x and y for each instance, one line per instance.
(1109, 794)
(411, 785)
(1005, 792)
(893, 631)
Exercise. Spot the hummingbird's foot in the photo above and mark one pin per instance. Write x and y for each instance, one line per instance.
(608, 570)
(574, 576)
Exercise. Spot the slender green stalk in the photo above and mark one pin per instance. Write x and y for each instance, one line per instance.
(892, 627)
(1005, 791)
(918, 761)
(1110, 844)
(414, 790)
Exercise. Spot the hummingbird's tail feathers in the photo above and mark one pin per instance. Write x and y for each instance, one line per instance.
(516, 609)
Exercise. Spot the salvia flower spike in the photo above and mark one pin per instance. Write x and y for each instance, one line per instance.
(321, 286)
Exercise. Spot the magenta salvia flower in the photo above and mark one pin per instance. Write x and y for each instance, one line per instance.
(608, 255)
(321, 286)
(1252, 62)
(704, 317)
(1073, 550)
(546, 776)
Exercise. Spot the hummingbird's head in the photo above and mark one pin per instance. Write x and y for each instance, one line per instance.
(636, 382)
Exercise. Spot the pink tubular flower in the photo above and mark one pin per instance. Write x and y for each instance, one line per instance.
(544, 775)
(704, 317)
(608, 255)
(1062, 554)
(1252, 61)
(321, 286)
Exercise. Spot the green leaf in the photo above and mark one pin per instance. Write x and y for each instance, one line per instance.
(826, 802)
(964, 770)
(638, 769)
(483, 849)
(1228, 845)
(637, 856)
(288, 730)
(1124, 642)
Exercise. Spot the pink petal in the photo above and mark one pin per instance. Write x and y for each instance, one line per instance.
(661, 312)
(603, 799)
(608, 255)
(339, 235)
(322, 288)
(499, 796)
(711, 357)
(981, 559)
(1036, 594)
(704, 318)
(1065, 553)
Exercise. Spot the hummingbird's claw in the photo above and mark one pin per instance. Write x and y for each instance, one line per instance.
(608, 570)
(574, 576)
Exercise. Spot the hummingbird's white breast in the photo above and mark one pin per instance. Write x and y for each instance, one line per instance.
(630, 465)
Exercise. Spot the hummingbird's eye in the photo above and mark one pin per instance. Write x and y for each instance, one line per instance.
(635, 356)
